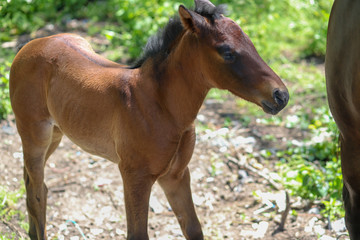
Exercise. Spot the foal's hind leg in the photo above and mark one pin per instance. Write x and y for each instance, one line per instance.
(39, 140)
(176, 185)
(350, 162)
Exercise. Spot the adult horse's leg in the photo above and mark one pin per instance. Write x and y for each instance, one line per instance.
(350, 162)
(176, 185)
(39, 140)
(137, 189)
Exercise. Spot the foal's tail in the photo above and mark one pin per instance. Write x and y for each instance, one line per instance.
(22, 41)
(19, 46)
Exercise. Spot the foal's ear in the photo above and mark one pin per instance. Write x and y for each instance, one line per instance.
(190, 19)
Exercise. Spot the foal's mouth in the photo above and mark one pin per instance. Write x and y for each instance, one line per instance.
(281, 98)
(270, 108)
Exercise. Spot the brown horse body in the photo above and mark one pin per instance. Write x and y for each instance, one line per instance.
(141, 118)
(343, 87)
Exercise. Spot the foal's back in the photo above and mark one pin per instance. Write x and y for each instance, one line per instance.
(63, 84)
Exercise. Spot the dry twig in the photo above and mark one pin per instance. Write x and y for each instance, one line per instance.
(14, 229)
(244, 165)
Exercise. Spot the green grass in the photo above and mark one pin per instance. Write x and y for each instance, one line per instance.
(9, 210)
(11, 237)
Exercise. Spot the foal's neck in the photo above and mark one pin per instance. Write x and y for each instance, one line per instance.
(180, 83)
(186, 88)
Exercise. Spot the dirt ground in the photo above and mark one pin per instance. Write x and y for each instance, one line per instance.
(88, 191)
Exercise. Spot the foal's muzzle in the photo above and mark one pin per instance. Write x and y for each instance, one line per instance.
(280, 98)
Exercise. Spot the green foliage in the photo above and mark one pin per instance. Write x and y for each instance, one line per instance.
(320, 181)
(5, 107)
(283, 29)
(26, 16)
(137, 20)
(19, 16)
(303, 179)
(312, 170)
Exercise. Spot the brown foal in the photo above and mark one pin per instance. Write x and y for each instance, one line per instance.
(140, 117)
(342, 68)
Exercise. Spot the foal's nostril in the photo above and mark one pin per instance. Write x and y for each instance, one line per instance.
(281, 97)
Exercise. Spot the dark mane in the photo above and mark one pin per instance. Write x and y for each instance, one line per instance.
(160, 44)
(208, 10)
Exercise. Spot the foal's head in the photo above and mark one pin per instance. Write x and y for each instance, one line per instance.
(229, 60)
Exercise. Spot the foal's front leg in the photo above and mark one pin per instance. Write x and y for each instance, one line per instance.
(176, 185)
(137, 189)
(178, 193)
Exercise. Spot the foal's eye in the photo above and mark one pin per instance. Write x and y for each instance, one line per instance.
(227, 53)
(228, 56)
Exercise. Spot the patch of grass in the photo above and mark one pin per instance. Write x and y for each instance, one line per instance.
(250, 108)
(218, 94)
(311, 169)
(315, 181)
(11, 237)
(8, 207)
